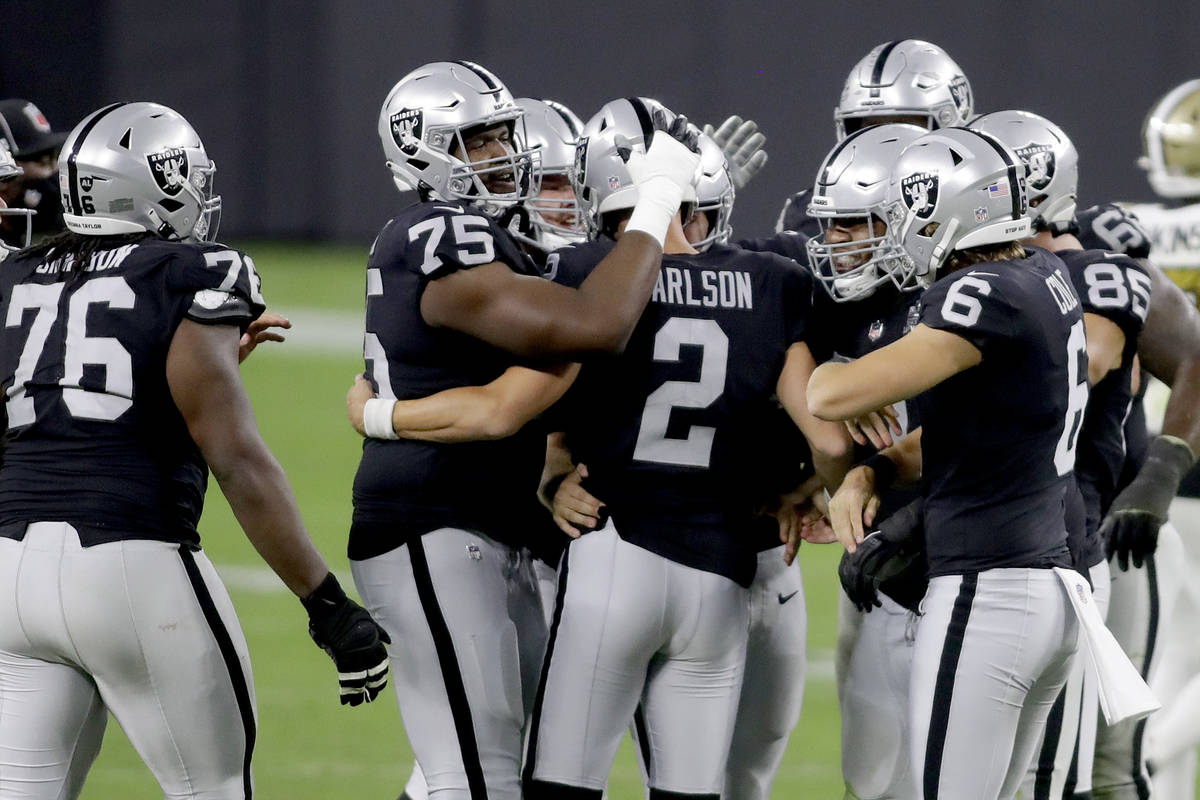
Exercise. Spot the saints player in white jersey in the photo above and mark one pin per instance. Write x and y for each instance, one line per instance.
(1171, 158)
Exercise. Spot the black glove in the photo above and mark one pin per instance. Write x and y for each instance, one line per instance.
(677, 128)
(884, 555)
(355, 641)
(1130, 531)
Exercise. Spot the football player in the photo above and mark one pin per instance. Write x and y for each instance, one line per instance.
(998, 634)
(909, 81)
(871, 299)
(450, 299)
(551, 130)
(1114, 291)
(10, 172)
(1170, 350)
(120, 354)
(35, 146)
(655, 599)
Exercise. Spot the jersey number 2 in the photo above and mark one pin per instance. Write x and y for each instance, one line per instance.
(80, 350)
(653, 444)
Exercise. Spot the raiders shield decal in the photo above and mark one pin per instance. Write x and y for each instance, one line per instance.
(407, 126)
(920, 193)
(169, 168)
(1040, 160)
(960, 90)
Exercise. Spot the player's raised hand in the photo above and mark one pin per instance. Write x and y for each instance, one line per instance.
(1130, 531)
(260, 331)
(854, 505)
(352, 638)
(573, 506)
(742, 143)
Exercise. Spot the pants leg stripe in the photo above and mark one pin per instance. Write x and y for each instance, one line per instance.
(1044, 775)
(456, 692)
(536, 719)
(643, 740)
(1140, 778)
(241, 689)
(943, 691)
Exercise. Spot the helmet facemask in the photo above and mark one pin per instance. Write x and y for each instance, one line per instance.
(853, 269)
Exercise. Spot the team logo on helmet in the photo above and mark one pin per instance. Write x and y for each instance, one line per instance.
(169, 168)
(920, 192)
(1040, 160)
(580, 168)
(960, 90)
(407, 126)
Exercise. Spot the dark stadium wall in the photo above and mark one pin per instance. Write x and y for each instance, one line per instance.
(285, 93)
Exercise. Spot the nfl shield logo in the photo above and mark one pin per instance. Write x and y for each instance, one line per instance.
(876, 330)
(981, 214)
(920, 191)
(407, 126)
(170, 169)
(914, 316)
(614, 182)
(1040, 160)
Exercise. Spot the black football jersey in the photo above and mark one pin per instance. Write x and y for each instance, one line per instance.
(1111, 228)
(999, 438)
(406, 488)
(790, 244)
(93, 436)
(1118, 288)
(668, 429)
(794, 215)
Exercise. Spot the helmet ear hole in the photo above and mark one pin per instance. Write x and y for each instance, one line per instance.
(930, 229)
(170, 205)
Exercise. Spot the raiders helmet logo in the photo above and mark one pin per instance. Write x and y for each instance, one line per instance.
(960, 90)
(920, 192)
(407, 126)
(170, 169)
(580, 168)
(1040, 160)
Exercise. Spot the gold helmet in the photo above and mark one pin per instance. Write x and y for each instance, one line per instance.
(1171, 142)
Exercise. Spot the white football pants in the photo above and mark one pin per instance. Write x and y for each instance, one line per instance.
(993, 651)
(633, 626)
(1067, 748)
(1140, 608)
(141, 628)
(873, 684)
(1173, 733)
(468, 633)
(773, 685)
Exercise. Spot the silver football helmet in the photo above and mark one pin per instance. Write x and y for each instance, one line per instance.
(601, 177)
(714, 193)
(1050, 157)
(132, 167)
(851, 188)
(1171, 143)
(902, 79)
(422, 125)
(552, 129)
(9, 169)
(955, 189)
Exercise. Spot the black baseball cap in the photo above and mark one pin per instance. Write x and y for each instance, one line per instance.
(27, 130)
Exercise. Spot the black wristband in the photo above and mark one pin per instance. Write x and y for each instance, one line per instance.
(328, 593)
(884, 469)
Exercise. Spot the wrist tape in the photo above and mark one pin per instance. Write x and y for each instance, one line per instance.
(377, 418)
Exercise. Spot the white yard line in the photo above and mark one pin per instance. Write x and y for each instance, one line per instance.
(318, 330)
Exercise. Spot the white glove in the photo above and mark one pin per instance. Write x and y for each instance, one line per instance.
(742, 145)
(664, 175)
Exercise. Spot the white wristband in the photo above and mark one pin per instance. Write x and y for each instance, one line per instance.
(377, 418)
(657, 204)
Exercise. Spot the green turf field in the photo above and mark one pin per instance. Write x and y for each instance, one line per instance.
(310, 747)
